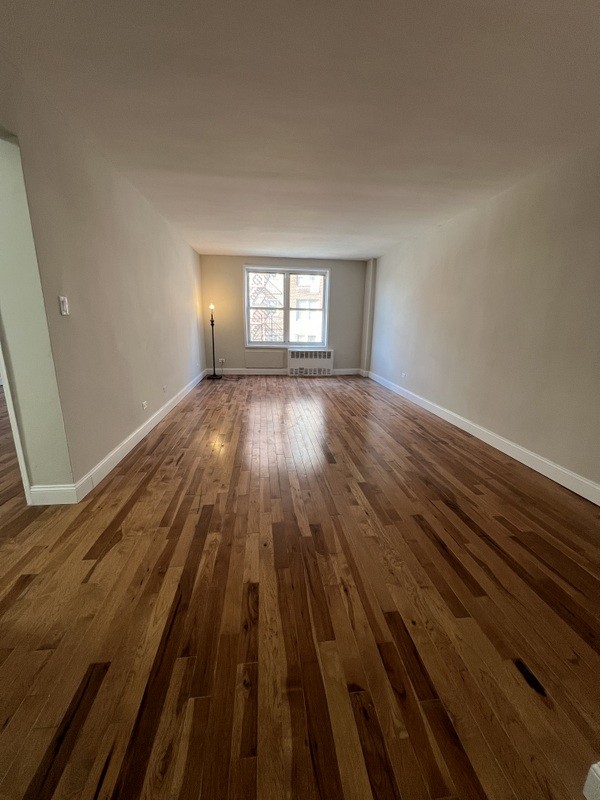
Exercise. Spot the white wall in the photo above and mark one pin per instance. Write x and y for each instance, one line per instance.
(496, 315)
(133, 284)
(223, 285)
(24, 335)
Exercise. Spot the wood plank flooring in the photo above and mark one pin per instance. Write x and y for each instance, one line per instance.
(300, 588)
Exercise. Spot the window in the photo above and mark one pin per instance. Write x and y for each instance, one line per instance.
(286, 307)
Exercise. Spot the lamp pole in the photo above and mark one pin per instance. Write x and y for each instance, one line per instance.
(214, 375)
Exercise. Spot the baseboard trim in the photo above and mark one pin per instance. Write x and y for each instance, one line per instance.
(53, 494)
(73, 493)
(591, 790)
(273, 371)
(570, 480)
(253, 371)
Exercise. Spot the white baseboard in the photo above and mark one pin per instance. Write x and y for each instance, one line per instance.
(73, 493)
(571, 480)
(591, 789)
(252, 371)
(273, 371)
(53, 495)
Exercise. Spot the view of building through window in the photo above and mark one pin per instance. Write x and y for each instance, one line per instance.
(266, 300)
(285, 307)
(307, 294)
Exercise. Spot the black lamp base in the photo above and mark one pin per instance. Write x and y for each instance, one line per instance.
(214, 377)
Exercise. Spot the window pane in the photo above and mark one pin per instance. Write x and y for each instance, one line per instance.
(306, 326)
(307, 291)
(266, 325)
(265, 289)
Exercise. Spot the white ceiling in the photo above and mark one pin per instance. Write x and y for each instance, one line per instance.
(317, 127)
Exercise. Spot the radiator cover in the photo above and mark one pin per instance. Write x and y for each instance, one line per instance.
(308, 362)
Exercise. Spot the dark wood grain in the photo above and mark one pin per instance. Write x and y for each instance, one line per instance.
(304, 589)
(61, 746)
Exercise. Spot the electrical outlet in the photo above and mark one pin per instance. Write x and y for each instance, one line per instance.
(222, 362)
(144, 404)
(165, 389)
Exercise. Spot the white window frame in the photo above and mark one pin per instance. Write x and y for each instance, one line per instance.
(287, 271)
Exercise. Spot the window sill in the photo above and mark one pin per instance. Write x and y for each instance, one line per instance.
(286, 346)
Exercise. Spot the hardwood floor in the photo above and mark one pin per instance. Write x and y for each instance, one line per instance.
(302, 588)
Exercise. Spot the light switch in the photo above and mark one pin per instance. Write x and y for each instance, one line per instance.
(64, 305)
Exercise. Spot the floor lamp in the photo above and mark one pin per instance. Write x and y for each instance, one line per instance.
(214, 376)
